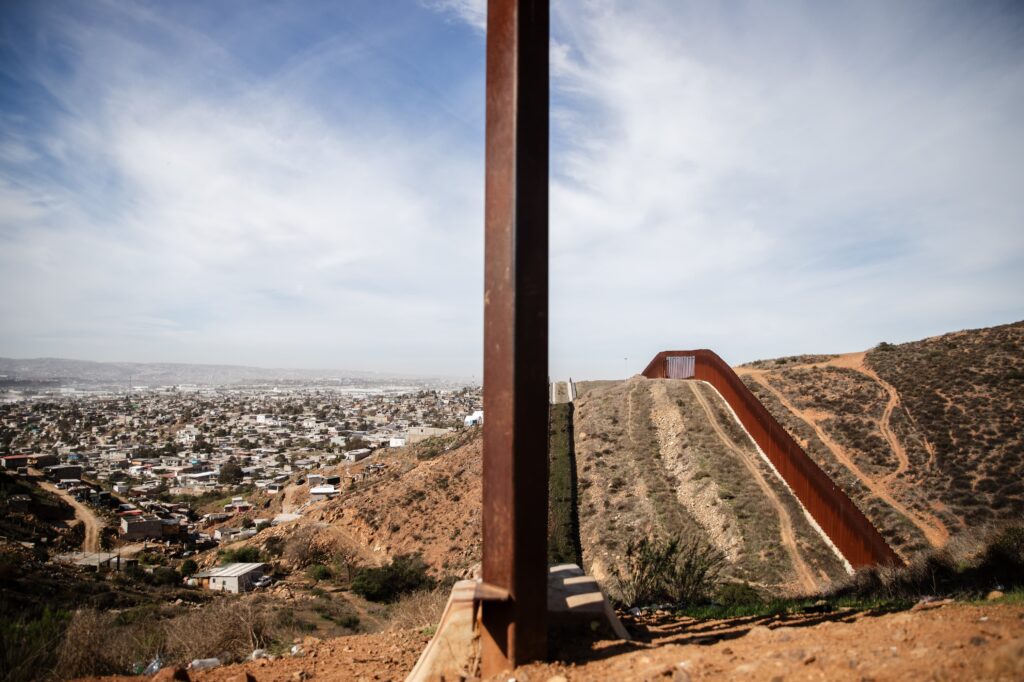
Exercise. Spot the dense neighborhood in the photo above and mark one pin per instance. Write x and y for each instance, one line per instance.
(190, 468)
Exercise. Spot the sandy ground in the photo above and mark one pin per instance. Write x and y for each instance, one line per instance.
(953, 642)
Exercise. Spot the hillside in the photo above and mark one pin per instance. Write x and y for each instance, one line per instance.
(926, 437)
(427, 502)
(432, 508)
(659, 457)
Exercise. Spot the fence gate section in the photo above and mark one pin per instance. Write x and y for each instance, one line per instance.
(679, 366)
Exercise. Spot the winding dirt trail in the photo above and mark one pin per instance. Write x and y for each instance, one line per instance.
(787, 535)
(86, 516)
(885, 423)
(934, 530)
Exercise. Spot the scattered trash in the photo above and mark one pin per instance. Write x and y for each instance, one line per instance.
(258, 653)
(204, 663)
(154, 667)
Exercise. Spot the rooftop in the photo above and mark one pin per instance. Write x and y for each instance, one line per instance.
(229, 570)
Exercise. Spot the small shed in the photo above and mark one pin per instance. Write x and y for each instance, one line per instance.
(356, 455)
(231, 577)
(322, 492)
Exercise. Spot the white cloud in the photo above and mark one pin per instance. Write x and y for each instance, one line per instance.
(193, 226)
(473, 12)
(769, 182)
(759, 179)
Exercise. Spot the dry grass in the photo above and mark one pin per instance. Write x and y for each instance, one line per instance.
(421, 609)
(962, 392)
(104, 643)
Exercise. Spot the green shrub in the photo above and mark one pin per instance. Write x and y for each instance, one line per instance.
(164, 575)
(946, 572)
(738, 594)
(245, 555)
(1004, 556)
(563, 521)
(319, 572)
(406, 573)
(189, 567)
(667, 571)
(28, 645)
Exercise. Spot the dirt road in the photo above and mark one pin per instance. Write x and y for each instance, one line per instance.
(93, 524)
(787, 536)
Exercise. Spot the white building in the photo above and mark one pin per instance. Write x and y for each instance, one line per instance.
(474, 419)
(322, 492)
(232, 577)
(396, 443)
(356, 455)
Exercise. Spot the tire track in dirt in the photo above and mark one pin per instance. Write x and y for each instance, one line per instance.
(933, 529)
(787, 535)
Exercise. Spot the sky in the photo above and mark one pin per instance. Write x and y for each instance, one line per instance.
(300, 185)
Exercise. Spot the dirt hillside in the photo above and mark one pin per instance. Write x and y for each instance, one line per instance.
(658, 457)
(926, 437)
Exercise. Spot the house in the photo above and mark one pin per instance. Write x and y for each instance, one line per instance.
(141, 527)
(237, 505)
(475, 419)
(12, 462)
(231, 577)
(233, 534)
(322, 492)
(396, 443)
(418, 433)
(101, 562)
(356, 455)
(64, 471)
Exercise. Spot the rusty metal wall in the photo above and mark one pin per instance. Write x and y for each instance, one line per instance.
(840, 519)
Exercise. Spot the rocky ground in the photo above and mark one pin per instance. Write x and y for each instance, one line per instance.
(944, 642)
(932, 641)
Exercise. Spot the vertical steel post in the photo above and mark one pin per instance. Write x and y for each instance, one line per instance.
(515, 478)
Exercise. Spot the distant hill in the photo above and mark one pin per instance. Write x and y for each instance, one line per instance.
(84, 373)
(927, 437)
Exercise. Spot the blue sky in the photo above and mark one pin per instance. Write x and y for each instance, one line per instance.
(301, 184)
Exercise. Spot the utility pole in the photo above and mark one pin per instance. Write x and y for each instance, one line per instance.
(515, 466)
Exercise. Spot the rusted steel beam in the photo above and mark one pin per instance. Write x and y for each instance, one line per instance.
(846, 526)
(515, 463)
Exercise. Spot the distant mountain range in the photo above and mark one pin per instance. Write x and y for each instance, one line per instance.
(86, 373)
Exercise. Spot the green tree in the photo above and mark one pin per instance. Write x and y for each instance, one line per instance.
(230, 472)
